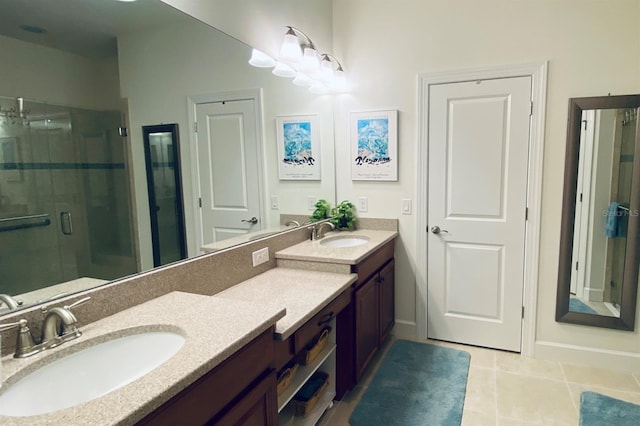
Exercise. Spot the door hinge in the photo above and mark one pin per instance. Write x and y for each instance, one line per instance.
(526, 213)
(200, 202)
(576, 266)
(123, 132)
(531, 109)
(523, 312)
(585, 124)
(195, 127)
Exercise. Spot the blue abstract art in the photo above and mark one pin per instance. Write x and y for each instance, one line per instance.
(374, 146)
(298, 147)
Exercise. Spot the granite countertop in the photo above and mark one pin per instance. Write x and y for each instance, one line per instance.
(214, 329)
(314, 251)
(304, 293)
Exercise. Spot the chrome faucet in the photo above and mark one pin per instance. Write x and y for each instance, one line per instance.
(292, 222)
(10, 301)
(316, 230)
(59, 325)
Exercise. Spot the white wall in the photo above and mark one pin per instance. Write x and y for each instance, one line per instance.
(593, 49)
(195, 59)
(50, 75)
(261, 24)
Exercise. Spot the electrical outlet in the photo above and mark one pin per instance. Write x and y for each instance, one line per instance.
(260, 256)
(311, 202)
(363, 204)
(275, 202)
(406, 206)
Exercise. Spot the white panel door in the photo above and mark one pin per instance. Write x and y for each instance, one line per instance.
(478, 154)
(228, 169)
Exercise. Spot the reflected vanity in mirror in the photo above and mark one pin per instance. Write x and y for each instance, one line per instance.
(600, 229)
(73, 192)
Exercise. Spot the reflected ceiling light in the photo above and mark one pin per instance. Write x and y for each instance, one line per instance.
(302, 80)
(299, 58)
(283, 70)
(261, 60)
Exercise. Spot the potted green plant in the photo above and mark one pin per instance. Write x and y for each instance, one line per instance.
(322, 211)
(344, 216)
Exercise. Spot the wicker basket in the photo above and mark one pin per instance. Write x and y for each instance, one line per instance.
(303, 408)
(285, 377)
(315, 347)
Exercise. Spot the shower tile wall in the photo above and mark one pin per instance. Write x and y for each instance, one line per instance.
(70, 160)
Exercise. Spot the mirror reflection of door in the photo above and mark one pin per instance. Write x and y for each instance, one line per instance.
(229, 168)
(161, 147)
(602, 210)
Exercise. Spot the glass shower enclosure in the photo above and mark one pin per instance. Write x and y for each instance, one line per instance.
(65, 205)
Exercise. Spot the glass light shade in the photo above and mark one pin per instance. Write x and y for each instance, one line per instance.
(290, 50)
(302, 80)
(261, 60)
(283, 70)
(326, 70)
(310, 62)
(339, 81)
(318, 88)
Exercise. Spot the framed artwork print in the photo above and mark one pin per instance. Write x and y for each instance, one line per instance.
(374, 145)
(298, 139)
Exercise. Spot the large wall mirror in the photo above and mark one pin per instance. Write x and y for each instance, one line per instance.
(600, 230)
(74, 210)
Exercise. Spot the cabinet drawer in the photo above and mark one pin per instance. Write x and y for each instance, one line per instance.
(315, 325)
(283, 352)
(373, 262)
(209, 395)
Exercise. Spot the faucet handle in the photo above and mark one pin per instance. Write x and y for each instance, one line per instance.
(78, 302)
(45, 308)
(25, 345)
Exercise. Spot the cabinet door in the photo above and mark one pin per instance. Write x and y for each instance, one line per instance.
(257, 408)
(367, 324)
(387, 300)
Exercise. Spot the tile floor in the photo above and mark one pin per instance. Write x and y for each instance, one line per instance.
(504, 388)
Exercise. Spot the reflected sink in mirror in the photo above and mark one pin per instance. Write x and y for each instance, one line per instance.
(341, 241)
(89, 373)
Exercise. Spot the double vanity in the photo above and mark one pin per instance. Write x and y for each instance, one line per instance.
(185, 358)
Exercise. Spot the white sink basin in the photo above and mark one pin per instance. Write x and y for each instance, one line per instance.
(344, 241)
(89, 373)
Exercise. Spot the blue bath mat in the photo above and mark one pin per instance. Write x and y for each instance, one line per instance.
(602, 410)
(576, 305)
(416, 384)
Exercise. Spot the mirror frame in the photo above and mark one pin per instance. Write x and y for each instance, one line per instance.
(626, 321)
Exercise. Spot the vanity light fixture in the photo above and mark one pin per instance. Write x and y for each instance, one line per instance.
(299, 59)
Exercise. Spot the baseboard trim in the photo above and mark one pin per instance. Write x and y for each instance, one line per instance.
(592, 357)
(406, 329)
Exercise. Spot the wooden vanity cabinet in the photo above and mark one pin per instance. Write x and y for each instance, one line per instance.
(239, 391)
(370, 317)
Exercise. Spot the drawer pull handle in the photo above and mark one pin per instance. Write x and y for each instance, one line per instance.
(326, 319)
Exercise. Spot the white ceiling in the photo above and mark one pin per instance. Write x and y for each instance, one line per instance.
(84, 27)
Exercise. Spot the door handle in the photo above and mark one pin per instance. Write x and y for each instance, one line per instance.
(66, 225)
(436, 230)
(252, 221)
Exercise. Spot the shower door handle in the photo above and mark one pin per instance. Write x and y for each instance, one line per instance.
(66, 224)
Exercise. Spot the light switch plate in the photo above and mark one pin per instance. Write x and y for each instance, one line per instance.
(260, 256)
(275, 202)
(406, 206)
(311, 202)
(363, 204)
